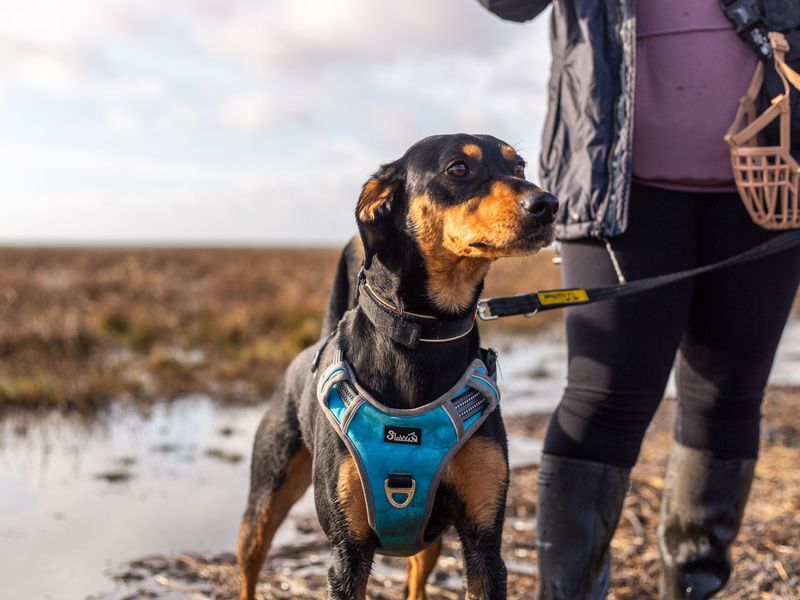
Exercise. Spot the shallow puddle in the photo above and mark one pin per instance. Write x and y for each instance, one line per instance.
(76, 496)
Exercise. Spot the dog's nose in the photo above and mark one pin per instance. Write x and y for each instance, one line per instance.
(542, 206)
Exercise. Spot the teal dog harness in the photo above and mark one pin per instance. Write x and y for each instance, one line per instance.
(401, 454)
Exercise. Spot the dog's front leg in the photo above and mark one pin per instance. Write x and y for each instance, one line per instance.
(485, 569)
(351, 563)
(479, 475)
(342, 509)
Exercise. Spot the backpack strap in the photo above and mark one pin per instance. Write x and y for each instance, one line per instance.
(746, 17)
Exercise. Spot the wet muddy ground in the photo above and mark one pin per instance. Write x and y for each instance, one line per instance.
(143, 501)
(86, 492)
(767, 554)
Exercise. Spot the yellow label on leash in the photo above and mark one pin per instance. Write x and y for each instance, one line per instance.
(562, 297)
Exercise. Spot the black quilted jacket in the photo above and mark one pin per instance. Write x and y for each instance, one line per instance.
(588, 134)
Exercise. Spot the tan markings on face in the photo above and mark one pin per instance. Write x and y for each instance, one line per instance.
(372, 199)
(452, 278)
(508, 152)
(351, 499)
(493, 221)
(473, 151)
(479, 474)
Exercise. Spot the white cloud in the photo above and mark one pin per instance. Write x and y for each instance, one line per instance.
(394, 64)
(18, 161)
(242, 111)
(303, 34)
(267, 213)
(124, 122)
(262, 111)
(58, 24)
(50, 43)
(133, 89)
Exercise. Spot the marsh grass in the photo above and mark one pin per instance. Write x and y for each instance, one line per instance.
(82, 327)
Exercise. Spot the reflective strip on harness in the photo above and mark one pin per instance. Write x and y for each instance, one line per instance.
(401, 454)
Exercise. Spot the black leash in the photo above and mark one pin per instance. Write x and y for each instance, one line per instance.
(530, 304)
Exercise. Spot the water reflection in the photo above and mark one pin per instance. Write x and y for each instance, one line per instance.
(77, 496)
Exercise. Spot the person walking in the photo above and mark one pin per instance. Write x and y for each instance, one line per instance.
(641, 93)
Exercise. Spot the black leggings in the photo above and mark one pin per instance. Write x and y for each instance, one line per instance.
(726, 326)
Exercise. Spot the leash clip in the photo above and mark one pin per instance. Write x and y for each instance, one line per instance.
(485, 311)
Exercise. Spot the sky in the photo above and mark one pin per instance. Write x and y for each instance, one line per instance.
(241, 122)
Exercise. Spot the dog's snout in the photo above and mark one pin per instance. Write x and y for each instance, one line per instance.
(542, 206)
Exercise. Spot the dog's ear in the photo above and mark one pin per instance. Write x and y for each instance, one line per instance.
(377, 206)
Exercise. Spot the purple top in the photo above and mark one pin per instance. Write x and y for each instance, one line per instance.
(691, 70)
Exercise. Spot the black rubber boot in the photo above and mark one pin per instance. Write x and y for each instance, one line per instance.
(701, 511)
(578, 505)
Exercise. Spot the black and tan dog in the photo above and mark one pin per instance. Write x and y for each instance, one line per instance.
(431, 223)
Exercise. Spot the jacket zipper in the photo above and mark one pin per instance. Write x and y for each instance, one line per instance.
(605, 224)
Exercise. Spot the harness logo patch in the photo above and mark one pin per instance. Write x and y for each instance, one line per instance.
(402, 435)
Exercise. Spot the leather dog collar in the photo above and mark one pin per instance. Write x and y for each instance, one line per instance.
(406, 328)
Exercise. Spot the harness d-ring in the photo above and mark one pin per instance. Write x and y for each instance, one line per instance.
(391, 490)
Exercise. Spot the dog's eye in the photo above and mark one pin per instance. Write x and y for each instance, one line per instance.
(519, 169)
(458, 169)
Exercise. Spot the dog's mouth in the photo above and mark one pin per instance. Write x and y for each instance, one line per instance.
(537, 239)
(528, 242)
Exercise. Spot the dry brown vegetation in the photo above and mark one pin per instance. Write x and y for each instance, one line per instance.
(81, 327)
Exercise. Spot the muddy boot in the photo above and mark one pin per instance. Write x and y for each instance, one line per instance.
(701, 510)
(578, 505)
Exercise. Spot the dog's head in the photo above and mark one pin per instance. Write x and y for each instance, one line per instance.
(458, 202)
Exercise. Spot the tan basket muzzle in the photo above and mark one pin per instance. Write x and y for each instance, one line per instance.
(767, 177)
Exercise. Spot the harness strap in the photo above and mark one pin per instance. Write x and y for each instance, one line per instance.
(409, 329)
(530, 304)
(401, 454)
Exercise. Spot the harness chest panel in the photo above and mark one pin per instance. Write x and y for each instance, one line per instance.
(401, 454)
